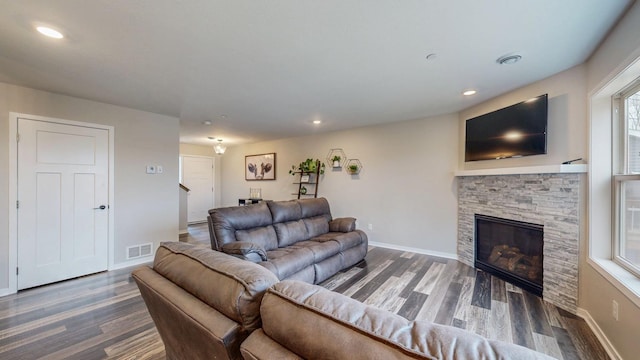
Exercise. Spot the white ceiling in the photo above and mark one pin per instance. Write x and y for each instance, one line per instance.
(261, 70)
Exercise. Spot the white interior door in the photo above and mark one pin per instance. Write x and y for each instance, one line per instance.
(197, 175)
(63, 192)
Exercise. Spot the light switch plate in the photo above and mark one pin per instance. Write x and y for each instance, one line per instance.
(159, 169)
(151, 169)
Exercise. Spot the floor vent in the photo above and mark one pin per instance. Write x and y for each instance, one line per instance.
(140, 250)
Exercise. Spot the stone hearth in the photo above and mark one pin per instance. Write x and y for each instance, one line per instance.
(549, 199)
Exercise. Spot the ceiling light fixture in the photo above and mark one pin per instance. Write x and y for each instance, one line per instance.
(219, 148)
(317, 122)
(469, 92)
(509, 59)
(47, 31)
(206, 122)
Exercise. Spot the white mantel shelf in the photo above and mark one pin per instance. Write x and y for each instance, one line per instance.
(544, 169)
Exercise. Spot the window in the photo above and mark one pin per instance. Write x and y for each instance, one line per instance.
(626, 247)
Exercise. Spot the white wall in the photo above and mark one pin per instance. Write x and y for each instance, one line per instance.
(406, 188)
(146, 206)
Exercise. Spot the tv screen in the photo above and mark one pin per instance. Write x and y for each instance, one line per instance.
(515, 131)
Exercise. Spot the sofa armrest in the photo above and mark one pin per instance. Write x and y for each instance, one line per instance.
(345, 224)
(245, 250)
(212, 234)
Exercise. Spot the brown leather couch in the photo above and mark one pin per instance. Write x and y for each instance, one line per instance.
(303, 321)
(209, 305)
(204, 303)
(296, 239)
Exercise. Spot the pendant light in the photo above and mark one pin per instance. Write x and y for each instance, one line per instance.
(219, 148)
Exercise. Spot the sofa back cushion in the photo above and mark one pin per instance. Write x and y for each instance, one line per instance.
(263, 236)
(315, 207)
(374, 333)
(283, 211)
(291, 232)
(226, 222)
(232, 286)
(316, 225)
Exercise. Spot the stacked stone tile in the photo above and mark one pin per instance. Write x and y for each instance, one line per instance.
(551, 200)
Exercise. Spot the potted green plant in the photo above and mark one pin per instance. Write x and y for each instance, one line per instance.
(303, 190)
(336, 160)
(308, 166)
(353, 168)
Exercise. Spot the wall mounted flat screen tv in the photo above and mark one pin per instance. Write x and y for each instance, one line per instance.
(515, 131)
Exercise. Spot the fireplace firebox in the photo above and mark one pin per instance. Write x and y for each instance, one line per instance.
(510, 250)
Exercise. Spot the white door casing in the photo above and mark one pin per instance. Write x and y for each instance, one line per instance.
(197, 175)
(63, 181)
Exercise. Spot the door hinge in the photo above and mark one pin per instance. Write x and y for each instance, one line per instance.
(17, 270)
(17, 204)
(17, 137)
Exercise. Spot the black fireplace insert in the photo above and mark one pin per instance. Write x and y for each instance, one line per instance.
(510, 250)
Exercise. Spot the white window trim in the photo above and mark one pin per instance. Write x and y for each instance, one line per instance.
(601, 211)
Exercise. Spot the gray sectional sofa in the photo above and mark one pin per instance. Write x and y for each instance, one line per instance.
(209, 305)
(296, 239)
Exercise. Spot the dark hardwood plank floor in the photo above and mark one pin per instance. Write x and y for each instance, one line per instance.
(102, 316)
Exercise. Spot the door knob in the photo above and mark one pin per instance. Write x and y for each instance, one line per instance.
(101, 207)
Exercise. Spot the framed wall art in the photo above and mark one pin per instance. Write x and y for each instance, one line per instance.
(260, 167)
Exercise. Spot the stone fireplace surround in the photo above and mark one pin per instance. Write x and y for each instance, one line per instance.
(548, 196)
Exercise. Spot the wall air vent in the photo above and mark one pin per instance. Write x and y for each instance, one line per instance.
(140, 250)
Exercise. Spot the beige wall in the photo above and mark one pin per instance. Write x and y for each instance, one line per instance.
(566, 127)
(406, 189)
(596, 292)
(198, 150)
(568, 138)
(145, 205)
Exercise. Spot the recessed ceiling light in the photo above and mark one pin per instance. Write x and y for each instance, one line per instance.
(317, 122)
(207, 122)
(509, 59)
(469, 92)
(47, 31)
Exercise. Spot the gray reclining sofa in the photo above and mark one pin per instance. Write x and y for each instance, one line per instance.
(296, 239)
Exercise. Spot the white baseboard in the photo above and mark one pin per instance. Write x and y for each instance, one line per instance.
(136, 262)
(415, 250)
(6, 291)
(593, 325)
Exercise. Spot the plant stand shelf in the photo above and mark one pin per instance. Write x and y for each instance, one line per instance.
(311, 185)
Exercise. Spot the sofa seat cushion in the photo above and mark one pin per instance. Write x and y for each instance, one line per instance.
(232, 286)
(376, 334)
(345, 240)
(284, 262)
(321, 250)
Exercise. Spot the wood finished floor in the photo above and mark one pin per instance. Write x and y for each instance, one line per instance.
(102, 316)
